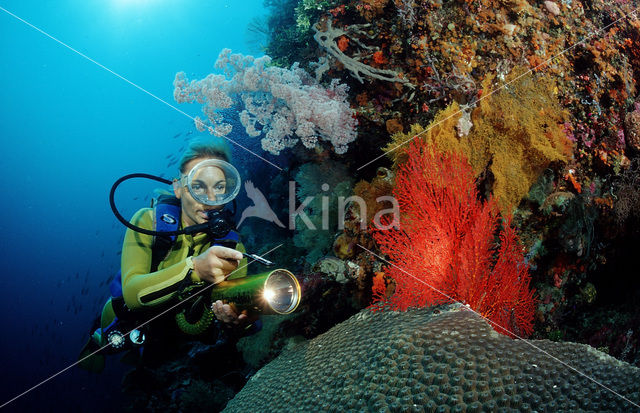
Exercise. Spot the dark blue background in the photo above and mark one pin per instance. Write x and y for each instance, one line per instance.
(69, 129)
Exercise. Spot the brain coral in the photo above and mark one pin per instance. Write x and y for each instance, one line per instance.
(435, 359)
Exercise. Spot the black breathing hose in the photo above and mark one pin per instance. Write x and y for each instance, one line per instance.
(188, 230)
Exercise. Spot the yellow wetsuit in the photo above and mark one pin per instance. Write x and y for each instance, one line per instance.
(143, 289)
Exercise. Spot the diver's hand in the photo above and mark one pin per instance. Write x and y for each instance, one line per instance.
(225, 313)
(216, 263)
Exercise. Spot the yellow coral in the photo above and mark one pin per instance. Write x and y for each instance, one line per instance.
(517, 132)
(440, 131)
(381, 185)
(520, 129)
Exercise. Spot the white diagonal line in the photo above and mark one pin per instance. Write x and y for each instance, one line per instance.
(125, 335)
(499, 326)
(132, 84)
(502, 87)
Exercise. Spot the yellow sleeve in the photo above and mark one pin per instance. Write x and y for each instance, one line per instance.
(141, 288)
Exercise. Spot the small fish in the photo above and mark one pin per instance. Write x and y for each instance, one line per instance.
(176, 135)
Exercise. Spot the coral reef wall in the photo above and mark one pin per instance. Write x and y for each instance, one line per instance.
(542, 99)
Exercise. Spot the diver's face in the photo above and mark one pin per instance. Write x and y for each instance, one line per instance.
(211, 178)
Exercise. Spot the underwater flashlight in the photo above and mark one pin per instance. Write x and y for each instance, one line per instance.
(270, 292)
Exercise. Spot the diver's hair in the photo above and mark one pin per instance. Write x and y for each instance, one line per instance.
(205, 147)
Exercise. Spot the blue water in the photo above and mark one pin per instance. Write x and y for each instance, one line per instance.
(69, 128)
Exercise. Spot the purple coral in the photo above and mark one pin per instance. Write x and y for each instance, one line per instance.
(282, 105)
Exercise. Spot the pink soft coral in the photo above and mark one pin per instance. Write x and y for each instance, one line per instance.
(284, 106)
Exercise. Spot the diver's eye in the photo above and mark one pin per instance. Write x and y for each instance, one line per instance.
(220, 188)
(197, 188)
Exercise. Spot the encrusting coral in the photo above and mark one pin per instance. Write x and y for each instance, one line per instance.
(436, 359)
(373, 194)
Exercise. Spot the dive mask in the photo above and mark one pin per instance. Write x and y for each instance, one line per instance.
(212, 182)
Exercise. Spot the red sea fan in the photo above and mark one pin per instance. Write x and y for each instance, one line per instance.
(445, 249)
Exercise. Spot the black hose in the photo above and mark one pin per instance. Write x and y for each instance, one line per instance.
(192, 229)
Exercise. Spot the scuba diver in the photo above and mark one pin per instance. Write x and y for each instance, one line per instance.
(173, 252)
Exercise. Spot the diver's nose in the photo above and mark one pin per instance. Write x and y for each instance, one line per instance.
(211, 193)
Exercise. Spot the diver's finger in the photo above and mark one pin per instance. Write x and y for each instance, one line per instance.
(217, 308)
(228, 311)
(226, 253)
(222, 317)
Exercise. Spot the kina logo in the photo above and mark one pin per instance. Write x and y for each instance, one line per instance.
(260, 207)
